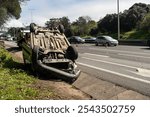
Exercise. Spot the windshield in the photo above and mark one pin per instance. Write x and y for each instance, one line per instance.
(109, 38)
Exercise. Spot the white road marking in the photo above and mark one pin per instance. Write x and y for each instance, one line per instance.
(133, 56)
(96, 55)
(110, 63)
(120, 51)
(116, 73)
(143, 72)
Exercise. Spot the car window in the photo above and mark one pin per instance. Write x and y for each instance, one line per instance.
(109, 38)
(98, 37)
(102, 38)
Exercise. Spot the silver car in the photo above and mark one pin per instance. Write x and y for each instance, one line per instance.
(106, 41)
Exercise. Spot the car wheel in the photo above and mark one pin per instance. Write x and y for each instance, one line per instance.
(61, 28)
(107, 44)
(32, 27)
(96, 44)
(71, 53)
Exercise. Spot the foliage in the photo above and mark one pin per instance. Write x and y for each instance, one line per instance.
(54, 22)
(129, 19)
(10, 9)
(145, 24)
(82, 26)
(16, 84)
(136, 34)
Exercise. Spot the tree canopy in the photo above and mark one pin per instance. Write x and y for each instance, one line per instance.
(10, 9)
(129, 19)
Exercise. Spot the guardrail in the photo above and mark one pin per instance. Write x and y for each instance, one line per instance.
(133, 42)
(2, 44)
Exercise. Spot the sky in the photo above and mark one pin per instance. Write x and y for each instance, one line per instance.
(40, 11)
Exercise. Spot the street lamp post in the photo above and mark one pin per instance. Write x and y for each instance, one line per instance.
(118, 20)
(31, 11)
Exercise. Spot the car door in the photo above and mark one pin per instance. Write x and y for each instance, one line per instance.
(103, 40)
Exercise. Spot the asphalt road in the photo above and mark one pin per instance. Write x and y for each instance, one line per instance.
(128, 66)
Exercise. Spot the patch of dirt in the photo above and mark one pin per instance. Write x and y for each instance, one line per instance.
(55, 89)
(61, 90)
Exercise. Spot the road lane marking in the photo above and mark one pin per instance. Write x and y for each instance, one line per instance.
(96, 55)
(120, 51)
(133, 56)
(141, 72)
(116, 73)
(110, 63)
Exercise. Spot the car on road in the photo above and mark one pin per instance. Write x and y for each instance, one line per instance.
(106, 41)
(90, 39)
(76, 40)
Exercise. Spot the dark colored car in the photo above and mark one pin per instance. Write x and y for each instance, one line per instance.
(90, 40)
(106, 41)
(76, 40)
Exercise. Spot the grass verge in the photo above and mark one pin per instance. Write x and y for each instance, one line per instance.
(15, 83)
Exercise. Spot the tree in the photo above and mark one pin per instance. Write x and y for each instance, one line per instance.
(145, 24)
(54, 22)
(10, 9)
(83, 25)
(129, 19)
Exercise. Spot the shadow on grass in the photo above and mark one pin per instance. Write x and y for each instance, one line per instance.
(14, 49)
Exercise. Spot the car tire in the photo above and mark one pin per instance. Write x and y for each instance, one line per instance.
(32, 27)
(107, 44)
(61, 28)
(96, 44)
(71, 53)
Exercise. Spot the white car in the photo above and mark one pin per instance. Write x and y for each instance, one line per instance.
(106, 41)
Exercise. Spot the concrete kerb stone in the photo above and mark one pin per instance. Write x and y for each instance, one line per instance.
(103, 90)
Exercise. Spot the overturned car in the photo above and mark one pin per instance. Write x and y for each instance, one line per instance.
(48, 51)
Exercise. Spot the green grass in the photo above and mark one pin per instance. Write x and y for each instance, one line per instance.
(15, 83)
(134, 34)
(131, 35)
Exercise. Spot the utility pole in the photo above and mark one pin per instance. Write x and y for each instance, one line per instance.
(31, 11)
(118, 19)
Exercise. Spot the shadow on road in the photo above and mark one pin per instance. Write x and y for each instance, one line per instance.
(148, 48)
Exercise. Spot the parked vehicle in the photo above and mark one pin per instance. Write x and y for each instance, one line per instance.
(76, 40)
(106, 41)
(90, 40)
(48, 51)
